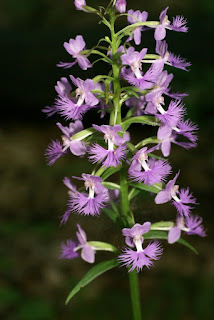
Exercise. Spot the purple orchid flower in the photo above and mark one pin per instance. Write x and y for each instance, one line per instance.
(111, 157)
(142, 257)
(79, 3)
(154, 171)
(121, 6)
(94, 201)
(75, 107)
(190, 225)
(87, 252)
(74, 48)
(170, 58)
(173, 115)
(178, 24)
(55, 150)
(167, 136)
(134, 75)
(180, 199)
(69, 249)
(134, 17)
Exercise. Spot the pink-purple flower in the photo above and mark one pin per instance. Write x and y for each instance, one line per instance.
(190, 225)
(181, 199)
(134, 75)
(178, 24)
(148, 171)
(79, 4)
(120, 6)
(116, 151)
(70, 248)
(92, 202)
(167, 135)
(74, 48)
(56, 149)
(141, 257)
(75, 107)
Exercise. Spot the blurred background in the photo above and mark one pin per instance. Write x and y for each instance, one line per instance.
(34, 283)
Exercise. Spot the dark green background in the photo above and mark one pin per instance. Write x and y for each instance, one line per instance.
(34, 282)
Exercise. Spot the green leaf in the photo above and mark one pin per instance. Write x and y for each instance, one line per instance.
(101, 77)
(108, 172)
(145, 187)
(133, 26)
(97, 245)
(111, 185)
(150, 120)
(90, 9)
(162, 224)
(83, 134)
(164, 235)
(92, 274)
(147, 141)
(111, 214)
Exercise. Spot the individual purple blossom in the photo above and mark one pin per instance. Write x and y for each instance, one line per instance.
(135, 17)
(170, 58)
(79, 3)
(120, 6)
(148, 171)
(87, 252)
(142, 257)
(134, 76)
(182, 199)
(75, 107)
(55, 150)
(74, 48)
(69, 249)
(94, 201)
(63, 89)
(167, 135)
(111, 157)
(173, 115)
(178, 24)
(190, 225)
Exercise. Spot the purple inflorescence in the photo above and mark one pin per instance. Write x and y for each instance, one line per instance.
(137, 89)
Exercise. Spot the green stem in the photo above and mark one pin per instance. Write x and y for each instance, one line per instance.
(124, 192)
(115, 118)
(116, 115)
(135, 295)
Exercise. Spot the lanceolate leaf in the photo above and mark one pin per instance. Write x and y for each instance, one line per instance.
(164, 235)
(83, 134)
(108, 172)
(98, 245)
(162, 224)
(150, 120)
(111, 185)
(92, 274)
(145, 187)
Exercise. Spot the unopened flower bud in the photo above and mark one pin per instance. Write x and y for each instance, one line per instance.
(121, 6)
(79, 3)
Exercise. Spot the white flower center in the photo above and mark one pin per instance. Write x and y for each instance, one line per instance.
(81, 94)
(174, 192)
(138, 243)
(136, 67)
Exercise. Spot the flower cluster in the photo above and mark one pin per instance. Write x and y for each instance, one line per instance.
(137, 89)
